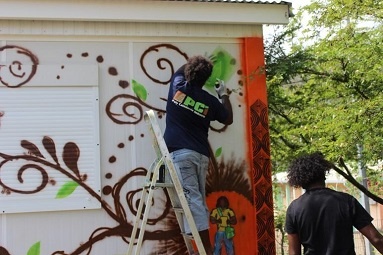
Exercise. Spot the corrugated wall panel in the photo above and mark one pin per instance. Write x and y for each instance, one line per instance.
(52, 138)
(147, 54)
(235, 1)
(120, 29)
(217, 12)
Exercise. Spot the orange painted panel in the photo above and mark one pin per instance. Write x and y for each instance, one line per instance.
(259, 146)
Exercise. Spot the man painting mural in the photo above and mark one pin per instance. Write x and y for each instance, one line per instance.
(189, 111)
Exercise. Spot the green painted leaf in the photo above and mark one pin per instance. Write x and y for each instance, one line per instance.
(218, 152)
(67, 189)
(139, 90)
(224, 66)
(35, 249)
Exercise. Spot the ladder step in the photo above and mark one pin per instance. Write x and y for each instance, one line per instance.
(187, 236)
(165, 185)
(155, 179)
(178, 210)
(160, 185)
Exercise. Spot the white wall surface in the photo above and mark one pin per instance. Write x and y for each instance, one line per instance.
(120, 52)
(145, 11)
(124, 139)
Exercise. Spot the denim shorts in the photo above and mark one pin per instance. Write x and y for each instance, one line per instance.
(192, 168)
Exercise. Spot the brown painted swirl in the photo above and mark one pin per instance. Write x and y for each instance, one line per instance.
(1, 115)
(26, 167)
(127, 109)
(131, 198)
(19, 70)
(160, 55)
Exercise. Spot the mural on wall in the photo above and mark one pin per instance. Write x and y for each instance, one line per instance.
(262, 178)
(224, 217)
(21, 69)
(229, 177)
(1, 115)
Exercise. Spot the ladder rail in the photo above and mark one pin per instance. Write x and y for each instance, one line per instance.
(177, 184)
(175, 191)
(136, 222)
(147, 209)
(145, 200)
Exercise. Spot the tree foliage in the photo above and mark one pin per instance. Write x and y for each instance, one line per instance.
(325, 83)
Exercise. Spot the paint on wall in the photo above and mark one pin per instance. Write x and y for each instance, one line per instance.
(259, 147)
(23, 68)
(125, 93)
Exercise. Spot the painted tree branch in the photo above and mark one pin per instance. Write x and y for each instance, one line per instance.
(119, 231)
(57, 167)
(348, 176)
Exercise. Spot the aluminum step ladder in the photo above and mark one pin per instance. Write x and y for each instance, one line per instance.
(154, 180)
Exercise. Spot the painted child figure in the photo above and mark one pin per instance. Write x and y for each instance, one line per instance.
(224, 217)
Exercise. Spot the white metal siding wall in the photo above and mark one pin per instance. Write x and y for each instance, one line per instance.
(123, 147)
(146, 11)
(114, 30)
(60, 115)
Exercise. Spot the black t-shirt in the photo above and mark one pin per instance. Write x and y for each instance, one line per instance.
(324, 221)
(189, 111)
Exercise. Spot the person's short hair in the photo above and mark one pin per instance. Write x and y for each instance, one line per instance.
(198, 70)
(224, 199)
(307, 170)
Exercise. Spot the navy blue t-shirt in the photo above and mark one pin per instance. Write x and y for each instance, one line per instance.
(189, 111)
(324, 221)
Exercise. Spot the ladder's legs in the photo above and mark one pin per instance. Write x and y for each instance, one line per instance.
(176, 193)
(144, 220)
(138, 216)
(135, 225)
(145, 200)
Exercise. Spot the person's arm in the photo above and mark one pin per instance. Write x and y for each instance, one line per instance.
(294, 244)
(232, 219)
(213, 220)
(226, 103)
(213, 217)
(373, 236)
(178, 79)
(181, 70)
(222, 93)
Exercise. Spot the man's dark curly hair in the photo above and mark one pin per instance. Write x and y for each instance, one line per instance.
(308, 169)
(197, 70)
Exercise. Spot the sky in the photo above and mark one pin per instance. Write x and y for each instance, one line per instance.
(298, 3)
(268, 30)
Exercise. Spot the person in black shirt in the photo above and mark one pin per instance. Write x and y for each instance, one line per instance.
(189, 111)
(322, 220)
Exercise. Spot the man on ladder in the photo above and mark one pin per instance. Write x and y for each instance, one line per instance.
(189, 111)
